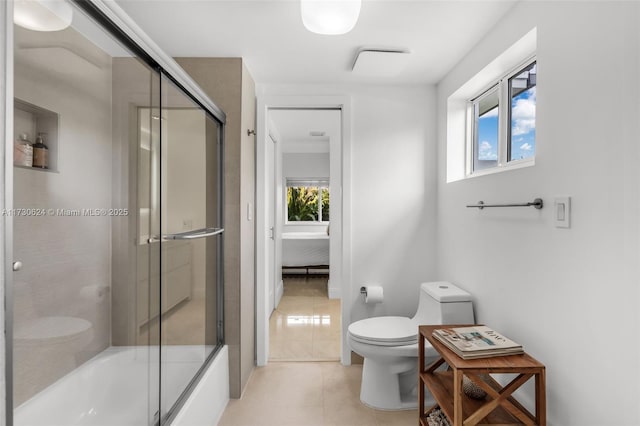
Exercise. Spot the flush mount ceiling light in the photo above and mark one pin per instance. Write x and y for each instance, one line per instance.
(380, 61)
(331, 17)
(42, 15)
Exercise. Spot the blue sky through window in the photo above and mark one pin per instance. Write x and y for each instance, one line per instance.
(523, 129)
(523, 125)
(488, 135)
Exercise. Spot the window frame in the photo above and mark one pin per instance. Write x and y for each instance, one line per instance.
(504, 124)
(321, 184)
(475, 138)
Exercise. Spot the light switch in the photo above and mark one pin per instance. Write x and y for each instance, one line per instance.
(562, 210)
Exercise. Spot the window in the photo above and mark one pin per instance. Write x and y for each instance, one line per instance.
(485, 141)
(307, 200)
(503, 130)
(522, 114)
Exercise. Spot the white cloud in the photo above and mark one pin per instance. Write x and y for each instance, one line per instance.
(524, 114)
(486, 152)
(526, 146)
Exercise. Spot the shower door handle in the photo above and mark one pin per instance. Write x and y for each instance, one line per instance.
(194, 235)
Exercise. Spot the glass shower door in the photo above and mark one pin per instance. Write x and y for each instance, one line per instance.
(83, 336)
(114, 305)
(190, 218)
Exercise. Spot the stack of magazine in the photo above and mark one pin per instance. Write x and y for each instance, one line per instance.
(478, 341)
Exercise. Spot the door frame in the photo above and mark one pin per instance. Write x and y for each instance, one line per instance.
(340, 247)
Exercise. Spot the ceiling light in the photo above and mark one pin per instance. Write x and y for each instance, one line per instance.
(332, 17)
(42, 15)
(380, 61)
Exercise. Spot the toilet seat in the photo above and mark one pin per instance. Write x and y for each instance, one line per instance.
(384, 331)
(51, 330)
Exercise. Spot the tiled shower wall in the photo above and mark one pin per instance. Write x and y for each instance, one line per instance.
(67, 259)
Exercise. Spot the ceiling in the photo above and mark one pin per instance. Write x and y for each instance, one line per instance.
(277, 49)
(295, 125)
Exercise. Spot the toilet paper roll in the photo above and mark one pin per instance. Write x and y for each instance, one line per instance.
(374, 294)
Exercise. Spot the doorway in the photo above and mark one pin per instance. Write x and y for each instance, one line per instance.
(304, 323)
(304, 133)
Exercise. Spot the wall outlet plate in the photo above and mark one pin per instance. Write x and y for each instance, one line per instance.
(562, 212)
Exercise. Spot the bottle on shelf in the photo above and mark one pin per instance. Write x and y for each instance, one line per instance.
(40, 153)
(23, 151)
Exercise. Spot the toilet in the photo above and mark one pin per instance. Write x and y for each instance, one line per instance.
(45, 347)
(389, 345)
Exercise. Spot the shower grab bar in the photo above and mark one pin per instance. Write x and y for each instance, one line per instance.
(194, 235)
(537, 203)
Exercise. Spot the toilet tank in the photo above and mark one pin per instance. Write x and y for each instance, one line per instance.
(443, 303)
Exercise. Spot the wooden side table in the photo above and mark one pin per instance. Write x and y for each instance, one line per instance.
(499, 406)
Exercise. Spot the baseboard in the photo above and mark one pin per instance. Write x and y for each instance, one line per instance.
(279, 293)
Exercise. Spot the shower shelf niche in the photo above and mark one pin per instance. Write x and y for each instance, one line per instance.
(32, 119)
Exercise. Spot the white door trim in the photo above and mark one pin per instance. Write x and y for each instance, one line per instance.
(340, 263)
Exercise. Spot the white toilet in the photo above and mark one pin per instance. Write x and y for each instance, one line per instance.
(45, 347)
(389, 345)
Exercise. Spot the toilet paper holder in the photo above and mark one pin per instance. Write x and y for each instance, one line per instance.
(363, 290)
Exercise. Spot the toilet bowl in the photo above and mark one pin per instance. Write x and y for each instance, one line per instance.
(45, 350)
(44, 331)
(389, 346)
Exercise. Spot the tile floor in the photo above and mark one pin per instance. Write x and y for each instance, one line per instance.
(306, 327)
(308, 394)
(306, 324)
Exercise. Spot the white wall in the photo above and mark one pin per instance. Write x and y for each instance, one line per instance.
(569, 295)
(393, 187)
(308, 165)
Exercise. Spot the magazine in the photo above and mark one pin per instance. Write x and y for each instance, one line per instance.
(477, 342)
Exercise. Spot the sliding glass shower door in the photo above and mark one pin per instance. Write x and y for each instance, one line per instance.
(189, 221)
(114, 304)
(180, 234)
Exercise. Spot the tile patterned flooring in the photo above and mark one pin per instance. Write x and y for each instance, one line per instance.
(306, 324)
(308, 394)
(306, 327)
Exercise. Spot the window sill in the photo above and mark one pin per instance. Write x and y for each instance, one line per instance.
(513, 165)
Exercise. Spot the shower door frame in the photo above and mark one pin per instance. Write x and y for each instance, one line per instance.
(116, 22)
(6, 203)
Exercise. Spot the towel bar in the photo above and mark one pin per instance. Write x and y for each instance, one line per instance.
(537, 203)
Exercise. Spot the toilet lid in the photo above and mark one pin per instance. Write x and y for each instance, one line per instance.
(385, 330)
(51, 329)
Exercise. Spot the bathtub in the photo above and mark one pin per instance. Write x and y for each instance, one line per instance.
(302, 249)
(119, 386)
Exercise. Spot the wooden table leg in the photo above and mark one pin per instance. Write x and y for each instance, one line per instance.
(421, 370)
(541, 398)
(457, 397)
